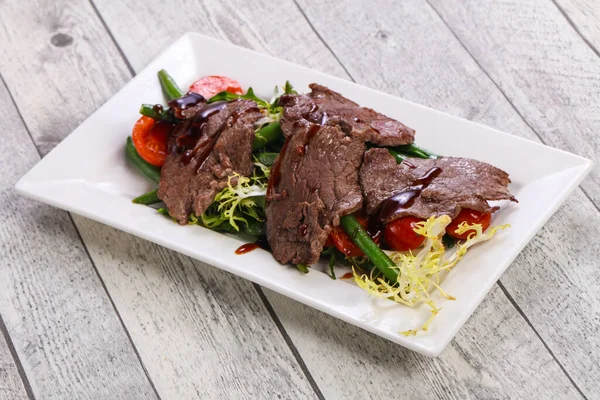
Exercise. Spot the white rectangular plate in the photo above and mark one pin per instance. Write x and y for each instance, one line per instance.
(89, 175)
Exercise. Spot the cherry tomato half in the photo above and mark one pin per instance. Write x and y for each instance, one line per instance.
(340, 239)
(471, 217)
(400, 234)
(150, 140)
(208, 86)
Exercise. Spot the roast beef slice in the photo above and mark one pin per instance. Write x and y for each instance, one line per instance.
(192, 186)
(462, 183)
(313, 183)
(326, 107)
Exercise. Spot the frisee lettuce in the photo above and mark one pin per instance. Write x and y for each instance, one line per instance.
(420, 274)
(240, 202)
(271, 109)
(249, 95)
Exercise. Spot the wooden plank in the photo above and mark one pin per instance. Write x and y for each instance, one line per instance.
(11, 384)
(434, 69)
(487, 360)
(200, 332)
(345, 361)
(61, 322)
(583, 15)
(543, 67)
(276, 30)
(553, 78)
(58, 59)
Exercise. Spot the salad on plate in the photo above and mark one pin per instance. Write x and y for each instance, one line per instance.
(316, 176)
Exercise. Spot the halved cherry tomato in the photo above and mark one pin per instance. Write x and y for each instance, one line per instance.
(400, 235)
(471, 217)
(340, 239)
(208, 86)
(150, 139)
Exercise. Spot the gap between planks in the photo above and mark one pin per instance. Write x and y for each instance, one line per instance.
(503, 92)
(504, 290)
(18, 362)
(268, 307)
(341, 64)
(259, 290)
(520, 311)
(135, 350)
(576, 29)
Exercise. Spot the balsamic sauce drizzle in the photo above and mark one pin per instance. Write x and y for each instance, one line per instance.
(400, 201)
(193, 144)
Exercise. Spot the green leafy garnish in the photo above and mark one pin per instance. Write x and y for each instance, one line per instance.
(226, 96)
(419, 274)
(288, 88)
(241, 202)
(302, 268)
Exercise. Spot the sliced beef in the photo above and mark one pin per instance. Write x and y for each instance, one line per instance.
(188, 106)
(425, 187)
(315, 178)
(325, 107)
(314, 181)
(204, 150)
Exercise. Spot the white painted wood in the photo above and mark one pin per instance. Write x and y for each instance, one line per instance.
(429, 67)
(418, 58)
(422, 73)
(59, 46)
(585, 15)
(200, 332)
(553, 78)
(63, 327)
(276, 29)
(542, 65)
(495, 355)
(11, 385)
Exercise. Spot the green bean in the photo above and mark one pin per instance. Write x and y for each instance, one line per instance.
(267, 158)
(331, 266)
(147, 169)
(147, 198)
(361, 238)
(413, 150)
(266, 135)
(399, 157)
(169, 86)
(157, 113)
(302, 268)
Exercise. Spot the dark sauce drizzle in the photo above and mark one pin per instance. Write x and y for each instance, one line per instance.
(190, 99)
(396, 203)
(275, 177)
(261, 242)
(347, 275)
(188, 145)
(246, 248)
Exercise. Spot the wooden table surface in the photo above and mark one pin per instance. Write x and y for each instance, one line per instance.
(89, 312)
